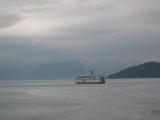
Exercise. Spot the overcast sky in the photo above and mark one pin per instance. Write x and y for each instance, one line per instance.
(109, 34)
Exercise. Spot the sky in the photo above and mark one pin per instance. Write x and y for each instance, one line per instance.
(106, 34)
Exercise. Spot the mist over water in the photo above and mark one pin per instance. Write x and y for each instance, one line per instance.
(134, 99)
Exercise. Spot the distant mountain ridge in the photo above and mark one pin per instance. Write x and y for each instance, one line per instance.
(48, 71)
(145, 70)
(59, 70)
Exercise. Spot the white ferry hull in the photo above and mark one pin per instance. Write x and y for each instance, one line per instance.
(90, 81)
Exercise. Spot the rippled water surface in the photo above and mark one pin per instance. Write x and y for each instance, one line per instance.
(135, 99)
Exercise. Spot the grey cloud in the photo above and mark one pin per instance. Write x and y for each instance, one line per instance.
(122, 49)
(20, 3)
(152, 16)
(107, 35)
(143, 12)
(9, 19)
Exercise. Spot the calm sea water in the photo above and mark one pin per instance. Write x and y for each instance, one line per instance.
(135, 99)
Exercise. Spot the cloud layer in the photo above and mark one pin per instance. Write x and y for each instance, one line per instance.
(108, 34)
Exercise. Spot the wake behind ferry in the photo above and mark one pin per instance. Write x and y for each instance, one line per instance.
(90, 78)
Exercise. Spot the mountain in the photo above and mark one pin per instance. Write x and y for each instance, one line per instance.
(145, 70)
(55, 70)
(59, 70)
(16, 71)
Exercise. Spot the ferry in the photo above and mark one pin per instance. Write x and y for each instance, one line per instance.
(90, 78)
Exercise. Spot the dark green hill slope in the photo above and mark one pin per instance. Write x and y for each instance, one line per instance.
(145, 70)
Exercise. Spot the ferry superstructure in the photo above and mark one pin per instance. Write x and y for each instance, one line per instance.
(90, 78)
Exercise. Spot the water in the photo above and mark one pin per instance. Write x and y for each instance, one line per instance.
(134, 99)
